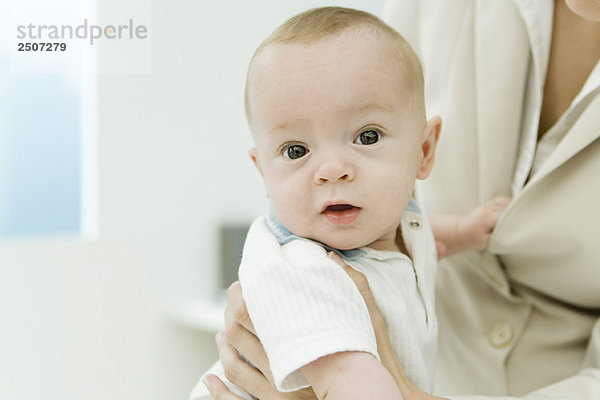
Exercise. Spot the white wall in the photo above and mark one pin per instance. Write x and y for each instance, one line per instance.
(91, 320)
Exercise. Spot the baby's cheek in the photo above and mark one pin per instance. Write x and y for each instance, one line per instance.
(292, 208)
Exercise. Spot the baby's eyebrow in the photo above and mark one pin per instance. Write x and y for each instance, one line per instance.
(287, 126)
(278, 128)
(373, 107)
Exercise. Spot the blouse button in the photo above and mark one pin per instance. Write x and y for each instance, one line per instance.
(501, 334)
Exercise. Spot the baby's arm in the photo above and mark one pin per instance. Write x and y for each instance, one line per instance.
(471, 231)
(350, 375)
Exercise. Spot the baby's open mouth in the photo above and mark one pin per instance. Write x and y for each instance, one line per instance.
(341, 214)
(339, 207)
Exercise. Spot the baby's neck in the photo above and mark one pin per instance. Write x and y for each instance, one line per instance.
(390, 244)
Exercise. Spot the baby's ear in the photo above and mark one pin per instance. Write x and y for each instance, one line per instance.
(432, 135)
(254, 157)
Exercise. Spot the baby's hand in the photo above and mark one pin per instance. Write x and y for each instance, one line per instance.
(475, 228)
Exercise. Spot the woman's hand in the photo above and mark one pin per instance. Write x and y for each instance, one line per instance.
(384, 345)
(238, 338)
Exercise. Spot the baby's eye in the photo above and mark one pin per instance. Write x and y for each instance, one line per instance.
(295, 151)
(368, 137)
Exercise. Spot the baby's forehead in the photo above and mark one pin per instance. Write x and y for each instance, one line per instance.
(377, 43)
(374, 53)
(352, 58)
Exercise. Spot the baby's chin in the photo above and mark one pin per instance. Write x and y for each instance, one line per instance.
(341, 239)
(340, 243)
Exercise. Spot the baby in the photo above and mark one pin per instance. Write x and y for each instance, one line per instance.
(334, 100)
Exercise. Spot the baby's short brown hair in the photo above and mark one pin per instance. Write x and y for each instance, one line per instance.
(317, 23)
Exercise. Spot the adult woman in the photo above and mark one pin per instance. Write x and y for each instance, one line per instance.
(517, 84)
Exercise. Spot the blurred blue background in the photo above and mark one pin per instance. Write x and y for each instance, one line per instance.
(40, 136)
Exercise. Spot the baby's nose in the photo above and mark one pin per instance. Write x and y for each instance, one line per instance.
(334, 168)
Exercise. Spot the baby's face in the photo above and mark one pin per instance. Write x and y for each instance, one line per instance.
(337, 142)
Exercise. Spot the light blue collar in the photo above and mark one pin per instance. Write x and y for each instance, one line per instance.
(284, 235)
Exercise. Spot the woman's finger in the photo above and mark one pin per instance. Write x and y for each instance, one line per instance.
(336, 258)
(236, 307)
(362, 284)
(218, 390)
(240, 331)
(249, 346)
(243, 374)
(384, 344)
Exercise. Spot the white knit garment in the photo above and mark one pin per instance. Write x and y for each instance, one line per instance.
(304, 306)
